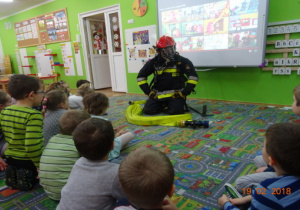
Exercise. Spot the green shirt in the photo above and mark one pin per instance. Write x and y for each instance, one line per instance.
(58, 158)
(23, 131)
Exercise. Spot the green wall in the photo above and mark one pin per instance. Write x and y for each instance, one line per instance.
(232, 84)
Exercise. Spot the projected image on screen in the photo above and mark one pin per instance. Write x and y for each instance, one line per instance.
(206, 27)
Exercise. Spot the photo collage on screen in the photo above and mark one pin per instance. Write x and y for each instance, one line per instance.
(221, 25)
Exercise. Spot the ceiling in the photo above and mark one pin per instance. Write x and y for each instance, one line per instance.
(10, 8)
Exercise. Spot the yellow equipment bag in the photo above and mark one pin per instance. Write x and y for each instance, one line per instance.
(134, 116)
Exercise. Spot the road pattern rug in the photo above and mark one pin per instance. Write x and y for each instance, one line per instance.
(204, 159)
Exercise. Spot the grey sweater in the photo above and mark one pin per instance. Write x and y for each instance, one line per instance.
(91, 185)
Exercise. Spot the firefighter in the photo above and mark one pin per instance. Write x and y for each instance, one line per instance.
(174, 78)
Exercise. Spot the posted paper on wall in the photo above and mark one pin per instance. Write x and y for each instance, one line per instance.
(66, 51)
(24, 61)
(19, 61)
(78, 59)
(44, 62)
(139, 46)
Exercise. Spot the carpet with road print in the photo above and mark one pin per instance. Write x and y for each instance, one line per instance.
(204, 159)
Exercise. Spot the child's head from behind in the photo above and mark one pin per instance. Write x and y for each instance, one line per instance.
(282, 146)
(22, 86)
(81, 82)
(54, 100)
(296, 102)
(146, 176)
(94, 138)
(95, 103)
(70, 119)
(5, 100)
(62, 85)
(84, 90)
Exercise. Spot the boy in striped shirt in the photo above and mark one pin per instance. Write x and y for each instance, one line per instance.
(60, 154)
(22, 127)
(281, 151)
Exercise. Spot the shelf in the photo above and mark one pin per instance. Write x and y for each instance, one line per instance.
(57, 64)
(50, 55)
(29, 56)
(28, 66)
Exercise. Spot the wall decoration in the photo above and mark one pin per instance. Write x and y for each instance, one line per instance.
(139, 44)
(27, 33)
(44, 29)
(286, 49)
(53, 27)
(66, 51)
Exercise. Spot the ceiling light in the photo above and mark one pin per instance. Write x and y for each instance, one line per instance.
(6, 0)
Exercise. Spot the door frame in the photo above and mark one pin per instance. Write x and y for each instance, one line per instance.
(85, 45)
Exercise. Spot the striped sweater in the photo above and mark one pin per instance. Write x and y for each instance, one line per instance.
(23, 131)
(277, 193)
(58, 158)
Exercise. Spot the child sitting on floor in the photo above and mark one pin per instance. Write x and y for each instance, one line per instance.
(146, 176)
(55, 104)
(93, 182)
(5, 101)
(22, 127)
(81, 82)
(76, 100)
(281, 151)
(251, 180)
(61, 85)
(60, 154)
(96, 105)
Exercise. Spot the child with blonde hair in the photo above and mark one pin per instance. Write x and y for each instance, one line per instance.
(55, 104)
(5, 101)
(76, 100)
(96, 105)
(61, 85)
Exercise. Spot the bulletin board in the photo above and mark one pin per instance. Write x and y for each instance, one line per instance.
(139, 46)
(27, 33)
(44, 29)
(53, 27)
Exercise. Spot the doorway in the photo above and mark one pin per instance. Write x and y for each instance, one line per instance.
(103, 48)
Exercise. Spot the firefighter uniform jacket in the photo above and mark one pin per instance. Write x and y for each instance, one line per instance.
(178, 75)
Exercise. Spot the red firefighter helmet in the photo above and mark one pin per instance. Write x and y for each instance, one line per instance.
(166, 46)
(165, 41)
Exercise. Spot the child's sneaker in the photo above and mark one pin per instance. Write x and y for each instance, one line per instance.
(231, 191)
(24, 180)
(11, 177)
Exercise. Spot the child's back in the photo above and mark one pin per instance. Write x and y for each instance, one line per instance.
(96, 105)
(60, 154)
(93, 182)
(281, 151)
(55, 104)
(91, 185)
(22, 127)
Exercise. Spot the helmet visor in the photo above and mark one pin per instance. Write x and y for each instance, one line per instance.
(168, 52)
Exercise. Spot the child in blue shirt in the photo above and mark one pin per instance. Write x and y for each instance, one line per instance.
(96, 105)
(281, 151)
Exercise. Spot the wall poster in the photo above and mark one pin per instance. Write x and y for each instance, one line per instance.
(44, 29)
(26, 33)
(139, 46)
(53, 27)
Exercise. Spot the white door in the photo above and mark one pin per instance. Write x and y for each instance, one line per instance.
(116, 51)
(98, 56)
